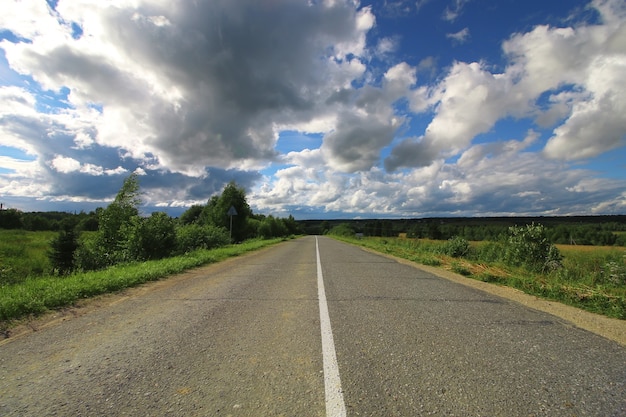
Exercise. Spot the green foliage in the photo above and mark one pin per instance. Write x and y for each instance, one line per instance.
(23, 254)
(253, 225)
(490, 252)
(216, 212)
(456, 247)
(190, 237)
(149, 238)
(89, 256)
(293, 227)
(192, 214)
(11, 219)
(342, 230)
(36, 295)
(272, 227)
(529, 246)
(117, 223)
(62, 249)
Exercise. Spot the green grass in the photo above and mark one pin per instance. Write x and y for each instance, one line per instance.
(592, 278)
(36, 295)
(23, 254)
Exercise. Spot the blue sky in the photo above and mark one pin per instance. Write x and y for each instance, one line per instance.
(319, 108)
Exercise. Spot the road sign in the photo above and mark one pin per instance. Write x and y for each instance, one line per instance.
(231, 212)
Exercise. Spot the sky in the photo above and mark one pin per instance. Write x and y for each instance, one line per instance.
(320, 109)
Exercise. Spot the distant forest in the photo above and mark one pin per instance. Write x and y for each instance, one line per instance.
(580, 230)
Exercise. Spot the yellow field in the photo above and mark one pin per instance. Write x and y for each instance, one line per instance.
(572, 249)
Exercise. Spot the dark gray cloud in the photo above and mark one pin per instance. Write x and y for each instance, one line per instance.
(240, 67)
(411, 152)
(356, 144)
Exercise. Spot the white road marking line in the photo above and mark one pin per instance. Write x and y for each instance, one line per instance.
(335, 406)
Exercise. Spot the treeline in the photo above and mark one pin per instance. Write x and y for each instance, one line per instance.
(121, 235)
(49, 220)
(580, 230)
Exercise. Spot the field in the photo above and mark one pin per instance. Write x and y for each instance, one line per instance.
(592, 277)
(23, 254)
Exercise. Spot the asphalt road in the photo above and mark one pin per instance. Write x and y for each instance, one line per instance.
(244, 338)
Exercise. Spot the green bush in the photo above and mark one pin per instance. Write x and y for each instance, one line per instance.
(456, 247)
(489, 252)
(529, 246)
(342, 229)
(271, 227)
(194, 236)
(150, 238)
(89, 255)
(61, 253)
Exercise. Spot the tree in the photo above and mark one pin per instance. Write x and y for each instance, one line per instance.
(342, 229)
(272, 227)
(109, 245)
(216, 211)
(11, 219)
(62, 249)
(119, 212)
(192, 214)
(150, 238)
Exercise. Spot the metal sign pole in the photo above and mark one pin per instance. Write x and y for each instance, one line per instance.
(231, 212)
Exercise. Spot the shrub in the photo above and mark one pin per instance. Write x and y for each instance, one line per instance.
(528, 246)
(89, 256)
(456, 247)
(614, 273)
(271, 227)
(489, 252)
(61, 253)
(150, 238)
(342, 229)
(194, 236)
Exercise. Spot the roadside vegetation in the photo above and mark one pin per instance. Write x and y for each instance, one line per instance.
(37, 295)
(588, 277)
(116, 247)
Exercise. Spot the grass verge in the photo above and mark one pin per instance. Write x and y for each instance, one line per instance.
(35, 296)
(591, 279)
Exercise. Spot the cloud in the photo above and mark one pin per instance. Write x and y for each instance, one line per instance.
(64, 165)
(592, 59)
(386, 46)
(490, 179)
(259, 64)
(177, 88)
(401, 8)
(196, 94)
(459, 37)
(468, 102)
(451, 13)
(585, 63)
(365, 129)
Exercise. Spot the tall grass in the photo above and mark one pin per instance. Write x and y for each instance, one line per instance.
(591, 278)
(37, 294)
(23, 254)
